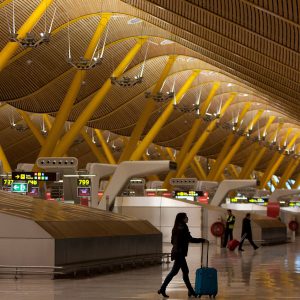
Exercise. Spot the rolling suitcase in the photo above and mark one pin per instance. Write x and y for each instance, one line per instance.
(206, 282)
(232, 244)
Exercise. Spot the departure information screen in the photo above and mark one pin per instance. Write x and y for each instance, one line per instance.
(83, 182)
(41, 176)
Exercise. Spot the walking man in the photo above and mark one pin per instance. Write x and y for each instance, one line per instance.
(247, 233)
(229, 227)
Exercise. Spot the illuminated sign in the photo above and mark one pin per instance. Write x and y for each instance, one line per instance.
(293, 204)
(41, 176)
(7, 181)
(183, 194)
(33, 192)
(19, 187)
(83, 182)
(83, 191)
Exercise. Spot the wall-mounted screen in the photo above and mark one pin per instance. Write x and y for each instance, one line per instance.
(83, 191)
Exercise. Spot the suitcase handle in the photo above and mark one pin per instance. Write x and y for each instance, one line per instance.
(202, 246)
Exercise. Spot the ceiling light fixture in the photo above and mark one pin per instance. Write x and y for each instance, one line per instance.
(31, 40)
(83, 63)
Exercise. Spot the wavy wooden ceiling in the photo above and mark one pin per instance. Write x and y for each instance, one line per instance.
(250, 47)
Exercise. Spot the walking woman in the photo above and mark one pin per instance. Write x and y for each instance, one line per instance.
(181, 238)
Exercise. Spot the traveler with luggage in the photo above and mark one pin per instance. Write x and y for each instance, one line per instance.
(247, 233)
(180, 240)
(229, 227)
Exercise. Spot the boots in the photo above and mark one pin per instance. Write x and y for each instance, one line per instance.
(163, 293)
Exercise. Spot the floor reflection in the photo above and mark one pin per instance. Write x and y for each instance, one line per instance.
(271, 272)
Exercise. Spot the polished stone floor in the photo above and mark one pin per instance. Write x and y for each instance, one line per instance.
(271, 272)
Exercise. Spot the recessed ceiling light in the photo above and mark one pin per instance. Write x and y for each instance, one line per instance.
(244, 95)
(190, 59)
(134, 21)
(230, 84)
(166, 42)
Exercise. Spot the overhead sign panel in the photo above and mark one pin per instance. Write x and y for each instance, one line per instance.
(41, 176)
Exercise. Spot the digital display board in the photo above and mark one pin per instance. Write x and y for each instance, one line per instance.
(83, 182)
(253, 200)
(189, 195)
(7, 181)
(83, 191)
(33, 191)
(41, 176)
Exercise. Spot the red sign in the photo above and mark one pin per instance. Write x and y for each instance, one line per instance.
(203, 200)
(151, 194)
(167, 194)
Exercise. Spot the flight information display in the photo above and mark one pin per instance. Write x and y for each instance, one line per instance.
(82, 182)
(40, 176)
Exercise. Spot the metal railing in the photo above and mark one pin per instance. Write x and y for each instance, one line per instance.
(30, 270)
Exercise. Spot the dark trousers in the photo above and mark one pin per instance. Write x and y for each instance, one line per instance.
(249, 238)
(228, 233)
(179, 263)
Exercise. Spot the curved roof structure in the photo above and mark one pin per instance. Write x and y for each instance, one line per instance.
(246, 49)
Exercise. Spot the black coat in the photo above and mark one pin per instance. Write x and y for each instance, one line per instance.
(246, 228)
(180, 240)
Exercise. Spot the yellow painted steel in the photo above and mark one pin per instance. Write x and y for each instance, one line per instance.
(274, 183)
(192, 134)
(236, 147)
(105, 147)
(100, 157)
(35, 131)
(170, 153)
(199, 143)
(289, 170)
(67, 104)
(273, 168)
(199, 167)
(136, 155)
(148, 109)
(227, 145)
(99, 96)
(297, 182)
(11, 47)
(254, 153)
(195, 170)
(233, 171)
(47, 121)
(5, 163)
(258, 156)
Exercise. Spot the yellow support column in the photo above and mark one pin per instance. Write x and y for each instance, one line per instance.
(170, 153)
(297, 182)
(105, 147)
(291, 167)
(249, 165)
(227, 145)
(67, 104)
(5, 163)
(35, 131)
(192, 134)
(259, 155)
(47, 121)
(100, 157)
(233, 171)
(195, 170)
(200, 169)
(148, 109)
(11, 47)
(137, 154)
(273, 168)
(236, 147)
(197, 146)
(89, 110)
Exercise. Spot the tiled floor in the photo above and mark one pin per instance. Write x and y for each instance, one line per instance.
(271, 272)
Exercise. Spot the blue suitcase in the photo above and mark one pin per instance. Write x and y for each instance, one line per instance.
(206, 282)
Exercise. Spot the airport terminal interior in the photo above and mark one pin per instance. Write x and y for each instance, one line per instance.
(116, 115)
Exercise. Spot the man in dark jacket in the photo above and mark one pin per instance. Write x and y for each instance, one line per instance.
(247, 233)
(229, 227)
